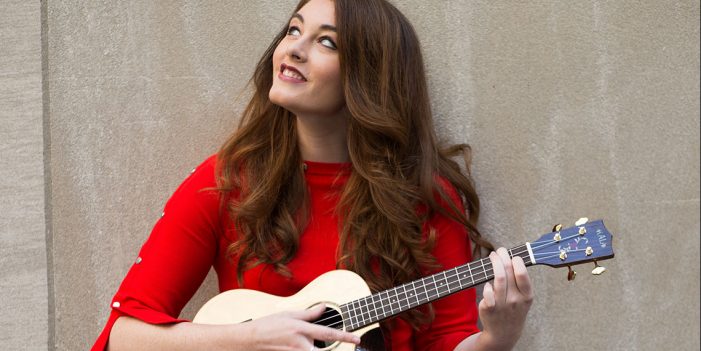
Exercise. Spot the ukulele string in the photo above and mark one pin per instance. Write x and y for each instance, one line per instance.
(486, 266)
(551, 242)
(339, 324)
(555, 254)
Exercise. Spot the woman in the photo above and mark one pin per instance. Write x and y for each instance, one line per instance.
(334, 165)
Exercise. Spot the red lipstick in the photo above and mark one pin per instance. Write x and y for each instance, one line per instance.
(293, 75)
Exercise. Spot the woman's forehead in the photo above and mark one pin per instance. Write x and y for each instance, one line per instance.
(317, 11)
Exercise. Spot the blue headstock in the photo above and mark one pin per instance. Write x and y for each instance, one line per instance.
(584, 242)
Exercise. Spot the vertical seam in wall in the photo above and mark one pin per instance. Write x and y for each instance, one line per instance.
(45, 100)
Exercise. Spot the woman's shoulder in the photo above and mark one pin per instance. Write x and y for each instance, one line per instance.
(201, 181)
(208, 166)
(205, 172)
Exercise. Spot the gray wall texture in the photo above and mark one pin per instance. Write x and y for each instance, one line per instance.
(573, 108)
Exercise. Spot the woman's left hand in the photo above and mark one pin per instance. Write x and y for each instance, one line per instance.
(505, 304)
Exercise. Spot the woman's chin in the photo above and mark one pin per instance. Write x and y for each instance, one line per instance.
(280, 98)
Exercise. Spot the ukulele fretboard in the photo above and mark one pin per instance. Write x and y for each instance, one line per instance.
(382, 305)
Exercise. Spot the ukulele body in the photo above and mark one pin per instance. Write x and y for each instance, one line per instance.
(333, 288)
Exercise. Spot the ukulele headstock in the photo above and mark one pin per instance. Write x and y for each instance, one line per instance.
(584, 242)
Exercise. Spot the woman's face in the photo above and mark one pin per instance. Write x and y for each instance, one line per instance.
(306, 68)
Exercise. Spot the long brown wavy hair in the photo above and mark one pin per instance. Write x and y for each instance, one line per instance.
(396, 160)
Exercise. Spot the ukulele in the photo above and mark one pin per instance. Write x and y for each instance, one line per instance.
(351, 306)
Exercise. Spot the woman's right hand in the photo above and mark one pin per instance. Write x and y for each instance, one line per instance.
(291, 331)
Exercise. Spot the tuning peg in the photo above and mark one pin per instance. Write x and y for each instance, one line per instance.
(581, 221)
(571, 274)
(598, 270)
(556, 230)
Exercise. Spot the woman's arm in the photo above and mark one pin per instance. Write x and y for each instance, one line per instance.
(132, 334)
(504, 307)
(282, 331)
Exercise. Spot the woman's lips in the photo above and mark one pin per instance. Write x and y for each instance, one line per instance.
(290, 74)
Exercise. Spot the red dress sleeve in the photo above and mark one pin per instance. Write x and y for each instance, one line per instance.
(176, 257)
(456, 315)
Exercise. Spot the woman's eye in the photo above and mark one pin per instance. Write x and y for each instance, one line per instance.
(293, 31)
(326, 41)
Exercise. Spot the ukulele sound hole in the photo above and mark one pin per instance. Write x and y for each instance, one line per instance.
(330, 318)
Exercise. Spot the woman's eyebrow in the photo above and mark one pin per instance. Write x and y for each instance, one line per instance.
(323, 26)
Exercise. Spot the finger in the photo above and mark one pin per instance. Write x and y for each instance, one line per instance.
(309, 314)
(320, 332)
(500, 283)
(523, 281)
(487, 302)
(508, 268)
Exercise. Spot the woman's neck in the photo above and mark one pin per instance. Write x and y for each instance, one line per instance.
(323, 138)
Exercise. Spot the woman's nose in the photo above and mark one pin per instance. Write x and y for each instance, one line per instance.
(297, 50)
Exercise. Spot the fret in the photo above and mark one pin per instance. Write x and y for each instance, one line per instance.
(454, 284)
(422, 290)
(364, 308)
(463, 274)
(353, 317)
(345, 316)
(394, 304)
(457, 274)
(379, 307)
(373, 307)
(382, 303)
(472, 278)
(483, 271)
(433, 288)
(355, 313)
(485, 266)
(386, 308)
(402, 298)
(448, 281)
(413, 294)
(443, 286)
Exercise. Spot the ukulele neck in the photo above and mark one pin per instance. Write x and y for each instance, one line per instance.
(385, 304)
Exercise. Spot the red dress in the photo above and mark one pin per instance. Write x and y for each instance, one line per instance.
(193, 235)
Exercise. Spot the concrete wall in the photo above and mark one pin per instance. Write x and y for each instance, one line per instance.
(24, 300)
(587, 108)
